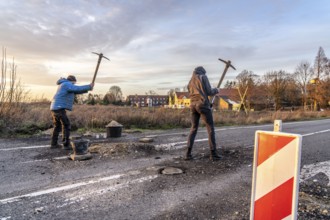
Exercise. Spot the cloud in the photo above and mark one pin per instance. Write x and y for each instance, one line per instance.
(152, 42)
(46, 28)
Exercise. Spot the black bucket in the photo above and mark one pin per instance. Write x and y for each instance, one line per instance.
(80, 146)
(114, 132)
(114, 129)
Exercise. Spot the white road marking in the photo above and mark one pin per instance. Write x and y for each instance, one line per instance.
(204, 131)
(178, 145)
(171, 134)
(34, 161)
(57, 189)
(81, 197)
(311, 170)
(234, 128)
(23, 148)
(172, 146)
(55, 158)
(60, 158)
(317, 132)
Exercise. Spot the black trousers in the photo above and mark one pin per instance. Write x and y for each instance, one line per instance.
(199, 110)
(61, 123)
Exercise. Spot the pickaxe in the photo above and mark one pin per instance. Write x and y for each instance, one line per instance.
(98, 64)
(228, 64)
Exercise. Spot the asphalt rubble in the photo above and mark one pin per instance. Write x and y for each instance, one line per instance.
(314, 193)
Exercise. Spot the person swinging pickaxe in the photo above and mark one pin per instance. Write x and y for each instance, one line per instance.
(228, 64)
(98, 64)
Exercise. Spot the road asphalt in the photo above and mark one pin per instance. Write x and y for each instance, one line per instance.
(127, 182)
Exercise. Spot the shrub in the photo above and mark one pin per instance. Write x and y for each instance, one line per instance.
(32, 117)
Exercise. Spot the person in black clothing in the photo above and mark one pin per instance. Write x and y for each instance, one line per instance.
(199, 88)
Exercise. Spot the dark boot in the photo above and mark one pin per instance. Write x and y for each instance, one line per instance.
(214, 156)
(67, 147)
(55, 146)
(188, 154)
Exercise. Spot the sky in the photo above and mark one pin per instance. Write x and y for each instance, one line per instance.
(156, 44)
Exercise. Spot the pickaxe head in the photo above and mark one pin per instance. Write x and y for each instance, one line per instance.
(101, 55)
(228, 63)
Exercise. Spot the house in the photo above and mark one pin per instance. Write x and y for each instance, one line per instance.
(228, 99)
(147, 100)
(181, 100)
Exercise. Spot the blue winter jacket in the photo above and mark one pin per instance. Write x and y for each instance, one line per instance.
(64, 97)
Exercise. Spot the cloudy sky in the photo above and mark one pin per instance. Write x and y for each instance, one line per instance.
(155, 44)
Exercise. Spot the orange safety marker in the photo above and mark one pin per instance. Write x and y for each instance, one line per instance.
(275, 180)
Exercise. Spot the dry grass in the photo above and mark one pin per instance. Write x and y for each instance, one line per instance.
(34, 117)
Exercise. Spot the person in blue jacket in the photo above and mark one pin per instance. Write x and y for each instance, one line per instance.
(62, 101)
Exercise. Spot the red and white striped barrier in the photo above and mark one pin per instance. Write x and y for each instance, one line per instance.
(275, 179)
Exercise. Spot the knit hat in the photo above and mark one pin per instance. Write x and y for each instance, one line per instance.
(200, 70)
(71, 78)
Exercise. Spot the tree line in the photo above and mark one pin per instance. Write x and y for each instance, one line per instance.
(12, 92)
(308, 86)
(113, 96)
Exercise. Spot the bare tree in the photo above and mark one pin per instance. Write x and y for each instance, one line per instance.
(275, 84)
(321, 73)
(324, 88)
(12, 92)
(229, 84)
(292, 95)
(116, 92)
(302, 75)
(320, 64)
(171, 95)
(246, 85)
(108, 98)
(3, 80)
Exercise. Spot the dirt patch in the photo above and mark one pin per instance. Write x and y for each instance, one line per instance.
(314, 194)
(51, 154)
(123, 149)
(202, 199)
(313, 200)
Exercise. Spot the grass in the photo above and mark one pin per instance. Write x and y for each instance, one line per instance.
(33, 118)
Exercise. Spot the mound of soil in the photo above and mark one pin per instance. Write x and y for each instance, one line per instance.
(123, 149)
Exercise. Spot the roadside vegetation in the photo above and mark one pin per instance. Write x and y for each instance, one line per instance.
(34, 118)
(302, 95)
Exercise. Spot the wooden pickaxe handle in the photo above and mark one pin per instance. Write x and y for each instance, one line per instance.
(228, 64)
(98, 64)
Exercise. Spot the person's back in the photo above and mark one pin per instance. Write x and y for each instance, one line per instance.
(64, 97)
(199, 88)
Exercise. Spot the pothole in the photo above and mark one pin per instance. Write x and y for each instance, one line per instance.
(171, 171)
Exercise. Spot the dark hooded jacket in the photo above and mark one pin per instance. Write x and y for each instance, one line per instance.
(199, 87)
(64, 96)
